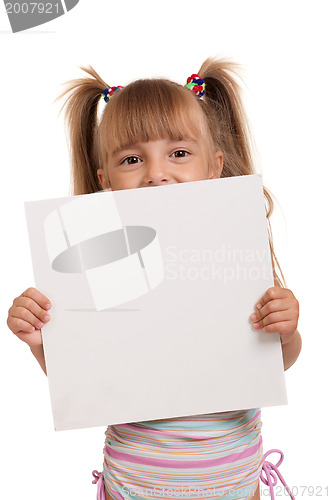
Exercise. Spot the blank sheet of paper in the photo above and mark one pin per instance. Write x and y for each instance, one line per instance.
(151, 293)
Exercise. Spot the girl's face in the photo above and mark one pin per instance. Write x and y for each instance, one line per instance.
(157, 163)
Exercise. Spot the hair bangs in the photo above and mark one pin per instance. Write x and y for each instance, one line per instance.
(150, 110)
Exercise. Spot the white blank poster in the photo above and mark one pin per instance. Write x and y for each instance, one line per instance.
(151, 293)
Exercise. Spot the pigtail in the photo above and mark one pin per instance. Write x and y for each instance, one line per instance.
(231, 133)
(222, 97)
(81, 107)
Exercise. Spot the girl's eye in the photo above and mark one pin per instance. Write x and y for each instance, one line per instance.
(181, 153)
(131, 160)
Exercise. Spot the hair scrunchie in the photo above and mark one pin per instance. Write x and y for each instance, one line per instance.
(109, 92)
(196, 84)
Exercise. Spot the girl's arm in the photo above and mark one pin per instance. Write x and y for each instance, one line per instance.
(38, 352)
(291, 350)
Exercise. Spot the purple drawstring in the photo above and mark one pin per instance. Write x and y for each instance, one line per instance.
(271, 479)
(99, 479)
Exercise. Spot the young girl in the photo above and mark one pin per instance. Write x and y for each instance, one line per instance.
(156, 132)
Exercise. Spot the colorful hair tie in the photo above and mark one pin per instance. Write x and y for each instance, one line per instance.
(196, 84)
(109, 92)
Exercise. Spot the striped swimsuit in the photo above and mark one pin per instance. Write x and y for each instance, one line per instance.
(213, 456)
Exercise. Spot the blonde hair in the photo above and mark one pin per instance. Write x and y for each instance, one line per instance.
(152, 109)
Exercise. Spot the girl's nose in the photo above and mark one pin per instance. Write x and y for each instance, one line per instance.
(156, 173)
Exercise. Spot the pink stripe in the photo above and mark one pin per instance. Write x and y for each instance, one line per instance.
(185, 464)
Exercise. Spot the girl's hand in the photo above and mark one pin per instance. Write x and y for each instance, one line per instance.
(27, 316)
(277, 311)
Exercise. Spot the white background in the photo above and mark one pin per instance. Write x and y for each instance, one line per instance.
(285, 50)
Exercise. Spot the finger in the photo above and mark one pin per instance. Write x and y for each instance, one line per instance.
(282, 327)
(18, 325)
(30, 305)
(38, 297)
(272, 293)
(23, 313)
(270, 307)
(275, 317)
